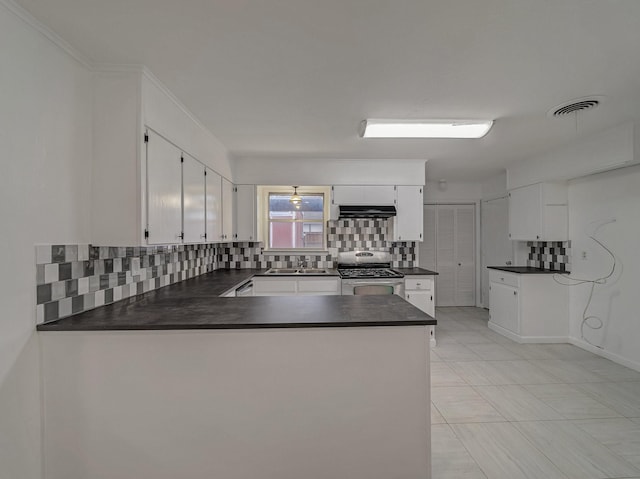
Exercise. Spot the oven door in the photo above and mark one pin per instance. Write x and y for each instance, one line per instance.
(372, 286)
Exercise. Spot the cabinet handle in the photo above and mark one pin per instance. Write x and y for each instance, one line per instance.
(432, 298)
(418, 284)
(459, 264)
(515, 293)
(537, 236)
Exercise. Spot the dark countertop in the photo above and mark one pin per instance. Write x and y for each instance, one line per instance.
(415, 271)
(263, 273)
(526, 270)
(195, 304)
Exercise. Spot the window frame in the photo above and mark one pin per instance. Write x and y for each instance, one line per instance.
(263, 215)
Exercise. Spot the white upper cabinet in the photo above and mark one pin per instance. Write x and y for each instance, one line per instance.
(213, 206)
(193, 200)
(539, 212)
(164, 191)
(363, 195)
(245, 204)
(227, 210)
(408, 224)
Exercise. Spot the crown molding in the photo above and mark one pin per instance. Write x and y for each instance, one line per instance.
(45, 31)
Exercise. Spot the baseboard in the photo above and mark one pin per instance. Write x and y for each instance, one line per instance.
(527, 339)
(605, 354)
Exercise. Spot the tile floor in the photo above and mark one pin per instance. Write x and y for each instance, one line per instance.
(539, 411)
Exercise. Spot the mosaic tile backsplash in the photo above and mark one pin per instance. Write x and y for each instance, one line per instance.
(342, 235)
(75, 278)
(71, 279)
(554, 255)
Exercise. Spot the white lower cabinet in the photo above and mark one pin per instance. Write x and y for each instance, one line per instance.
(294, 286)
(528, 308)
(420, 291)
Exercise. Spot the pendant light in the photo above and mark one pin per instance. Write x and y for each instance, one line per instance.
(295, 197)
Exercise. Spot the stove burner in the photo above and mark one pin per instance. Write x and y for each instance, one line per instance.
(369, 273)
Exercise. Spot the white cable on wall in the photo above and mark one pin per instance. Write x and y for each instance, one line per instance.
(592, 321)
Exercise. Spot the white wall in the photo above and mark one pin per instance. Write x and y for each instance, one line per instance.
(615, 194)
(45, 143)
(436, 192)
(328, 172)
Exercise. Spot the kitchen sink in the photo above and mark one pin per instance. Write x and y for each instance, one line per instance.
(301, 271)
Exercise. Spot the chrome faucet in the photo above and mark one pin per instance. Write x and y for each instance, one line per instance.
(302, 263)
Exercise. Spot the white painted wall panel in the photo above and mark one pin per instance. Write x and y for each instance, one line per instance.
(45, 183)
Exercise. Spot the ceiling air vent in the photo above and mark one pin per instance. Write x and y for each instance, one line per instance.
(575, 106)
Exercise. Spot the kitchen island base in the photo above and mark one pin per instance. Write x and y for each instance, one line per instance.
(231, 404)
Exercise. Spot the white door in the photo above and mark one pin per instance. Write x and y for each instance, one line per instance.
(193, 198)
(214, 206)
(497, 249)
(164, 191)
(449, 249)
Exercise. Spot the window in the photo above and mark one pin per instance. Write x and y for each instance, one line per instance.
(288, 226)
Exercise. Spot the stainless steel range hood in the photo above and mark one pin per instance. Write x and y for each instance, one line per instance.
(358, 211)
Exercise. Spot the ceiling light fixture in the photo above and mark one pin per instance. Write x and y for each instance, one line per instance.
(425, 128)
(295, 199)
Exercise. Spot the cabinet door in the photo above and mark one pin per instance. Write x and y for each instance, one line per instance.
(408, 224)
(227, 210)
(193, 200)
(213, 206)
(164, 191)
(505, 306)
(525, 213)
(245, 213)
(423, 300)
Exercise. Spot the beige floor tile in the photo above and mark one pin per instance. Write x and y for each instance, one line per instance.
(567, 351)
(622, 436)
(529, 351)
(456, 352)
(471, 337)
(502, 452)
(571, 402)
(463, 405)
(523, 372)
(436, 417)
(449, 459)
(574, 452)
(567, 371)
(609, 370)
(620, 396)
(515, 403)
(479, 373)
(493, 352)
(443, 375)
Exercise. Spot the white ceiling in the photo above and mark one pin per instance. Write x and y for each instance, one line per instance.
(293, 78)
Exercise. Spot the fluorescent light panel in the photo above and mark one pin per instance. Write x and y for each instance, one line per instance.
(425, 128)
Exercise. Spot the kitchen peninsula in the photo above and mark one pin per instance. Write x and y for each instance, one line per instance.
(286, 387)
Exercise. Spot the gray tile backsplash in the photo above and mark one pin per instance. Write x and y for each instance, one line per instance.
(554, 255)
(71, 279)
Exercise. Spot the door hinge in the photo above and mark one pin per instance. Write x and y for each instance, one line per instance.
(146, 233)
(205, 172)
(181, 159)
(181, 235)
(146, 138)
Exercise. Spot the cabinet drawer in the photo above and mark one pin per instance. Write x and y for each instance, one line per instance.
(421, 284)
(503, 277)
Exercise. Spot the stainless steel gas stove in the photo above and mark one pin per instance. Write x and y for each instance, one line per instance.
(369, 272)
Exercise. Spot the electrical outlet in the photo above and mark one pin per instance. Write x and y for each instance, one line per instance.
(583, 255)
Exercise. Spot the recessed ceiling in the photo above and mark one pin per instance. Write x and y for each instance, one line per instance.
(294, 78)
